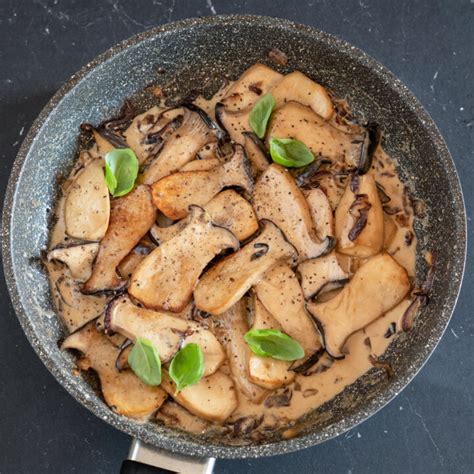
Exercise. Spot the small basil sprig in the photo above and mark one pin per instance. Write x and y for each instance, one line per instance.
(187, 366)
(121, 170)
(260, 114)
(290, 153)
(273, 343)
(145, 361)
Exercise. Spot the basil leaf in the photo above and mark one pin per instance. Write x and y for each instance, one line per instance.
(290, 153)
(273, 343)
(187, 366)
(260, 114)
(145, 361)
(121, 170)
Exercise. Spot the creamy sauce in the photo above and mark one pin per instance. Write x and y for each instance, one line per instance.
(329, 377)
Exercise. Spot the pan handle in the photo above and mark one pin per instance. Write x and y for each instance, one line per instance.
(144, 458)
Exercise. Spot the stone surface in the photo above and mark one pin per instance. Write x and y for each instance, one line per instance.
(428, 428)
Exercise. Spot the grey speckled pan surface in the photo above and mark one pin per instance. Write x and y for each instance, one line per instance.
(195, 54)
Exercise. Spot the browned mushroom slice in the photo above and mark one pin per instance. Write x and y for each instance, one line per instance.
(130, 262)
(213, 398)
(180, 148)
(167, 332)
(87, 206)
(321, 212)
(123, 391)
(201, 165)
(166, 278)
(235, 123)
(131, 217)
(228, 209)
(230, 328)
(320, 275)
(300, 88)
(256, 151)
(78, 258)
(103, 145)
(390, 229)
(376, 287)
(175, 193)
(225, 283)
(281, 294)
(267, 372)
(278, 198)
(359, 218)
(294, 120)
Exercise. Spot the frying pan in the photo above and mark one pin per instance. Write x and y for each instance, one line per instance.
(197, 54)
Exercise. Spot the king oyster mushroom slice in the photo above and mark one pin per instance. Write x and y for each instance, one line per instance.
(267, 372)
(213, 398)
(256, 151)
(127, 266)
(77, 257)
(278, 198)
(300, 88)
(321, 212)
(376, 287)
(227, 281)
(175, 193)
(166, 278)
(360, 218)
(123, 391)
(181, 147)
(167, 332)
(201, 165)
(228, 209)
(87, 205)
(320, 275)
(230, 328)
(280, 292)
(131, 217)
(294, 120)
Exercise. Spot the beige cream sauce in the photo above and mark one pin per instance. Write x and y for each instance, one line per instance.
(309, 392)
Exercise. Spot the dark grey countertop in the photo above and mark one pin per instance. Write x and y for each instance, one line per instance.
(429, 45)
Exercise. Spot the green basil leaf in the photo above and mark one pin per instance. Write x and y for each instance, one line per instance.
(145, 361)
(260, 114)
(273, 343)
(187, 366)
(290, 153)
(121, 170)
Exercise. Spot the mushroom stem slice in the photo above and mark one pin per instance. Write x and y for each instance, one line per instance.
(175, 193)
(213, 398)
(225, 283)
(256, 151)
(123, 391)
(376, 287)
(321, 212)
(166, 278)
(278, 198)
(131, 218)
(167, 332)
(360, 218)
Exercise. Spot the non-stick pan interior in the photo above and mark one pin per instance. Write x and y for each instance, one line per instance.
(198, 54)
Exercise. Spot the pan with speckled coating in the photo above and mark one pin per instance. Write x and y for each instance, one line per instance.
(196, 54)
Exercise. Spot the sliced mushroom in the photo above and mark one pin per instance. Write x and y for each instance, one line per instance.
(201, 165)
(228, 209)
(300, 88)
(131, 217)
(321, 212)
(123, 391)
(280, 292)
(166, 278)
(230, 328)
(180, 148)
(225, 283)
(175, 193)
(103, 144)
(294, 120)
(376, 287)
(213, 398)
(256, 151)
(168, 333)
(87, 206)
(78, 258)
(320, 275)
(359, 218)
(127, 266)
(278, 198)
(390, 229)
(267, 372)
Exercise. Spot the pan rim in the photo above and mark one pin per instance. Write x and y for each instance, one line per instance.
(188, 446)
